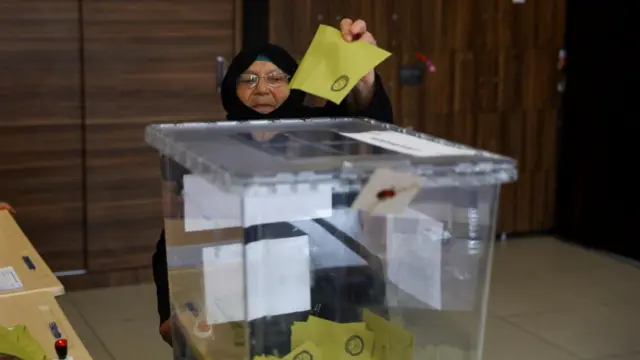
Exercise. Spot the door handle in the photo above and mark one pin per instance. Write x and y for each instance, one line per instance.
(221, 69)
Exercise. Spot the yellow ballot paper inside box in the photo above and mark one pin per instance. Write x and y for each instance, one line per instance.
(301, 332)
(335, 340)
(392, 341)
(329, 326)
(331, 67)
(318, 330)
(350, 344)
(265, 357)
(306, 351)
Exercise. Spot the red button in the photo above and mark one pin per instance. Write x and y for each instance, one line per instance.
(61, 348)
(61, 343)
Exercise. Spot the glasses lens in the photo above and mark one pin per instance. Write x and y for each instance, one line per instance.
(248, 79)
(277, 79)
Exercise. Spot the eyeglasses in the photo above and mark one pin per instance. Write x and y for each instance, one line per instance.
(273, 80)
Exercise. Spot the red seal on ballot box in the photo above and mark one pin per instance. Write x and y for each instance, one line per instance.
(385, 194)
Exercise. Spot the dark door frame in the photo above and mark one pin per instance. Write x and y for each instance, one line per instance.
(597, 200)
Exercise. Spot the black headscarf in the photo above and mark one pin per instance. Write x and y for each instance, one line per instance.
(236, 109)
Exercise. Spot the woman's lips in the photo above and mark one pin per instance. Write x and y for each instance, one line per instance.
(263, 108)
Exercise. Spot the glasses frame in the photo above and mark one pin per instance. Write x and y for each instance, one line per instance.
(263, 78)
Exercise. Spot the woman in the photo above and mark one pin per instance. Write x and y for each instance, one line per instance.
(256, 87)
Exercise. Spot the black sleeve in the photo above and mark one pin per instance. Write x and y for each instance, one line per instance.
(379, 108)
(161, 278)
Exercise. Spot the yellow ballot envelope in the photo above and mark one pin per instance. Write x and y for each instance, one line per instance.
(332, 66)
(301, 332)
(374, 339)
(306, 351)
(330, 326)
(392, 342)
(335, 341)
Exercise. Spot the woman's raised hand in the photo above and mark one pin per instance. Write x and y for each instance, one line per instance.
(354, 31)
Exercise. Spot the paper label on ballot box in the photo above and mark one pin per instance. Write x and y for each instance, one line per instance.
(407, 144)
(207, 207)
(285, 203)
(202, 210)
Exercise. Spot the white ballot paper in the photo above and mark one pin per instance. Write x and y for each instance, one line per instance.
(414, 255)
(207, 207)
(278, 279)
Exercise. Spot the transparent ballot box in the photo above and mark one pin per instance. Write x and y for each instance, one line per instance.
(326, 239)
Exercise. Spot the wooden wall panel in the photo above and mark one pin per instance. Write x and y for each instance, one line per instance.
(303, 15)
(383, 28)
(464, 83)
(146, 62)
(405, 19)
(40, 126)
(494, 86)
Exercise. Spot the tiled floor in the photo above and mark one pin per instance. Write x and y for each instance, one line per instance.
(549, 301)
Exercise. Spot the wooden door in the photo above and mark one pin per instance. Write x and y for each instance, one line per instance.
(494, 85)
(41, 154)
(145, 62)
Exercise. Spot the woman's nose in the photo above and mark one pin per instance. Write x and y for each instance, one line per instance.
(262, 85)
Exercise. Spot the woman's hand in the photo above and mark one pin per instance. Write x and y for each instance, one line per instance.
(6, 206)
(165, 332)
(355, 31)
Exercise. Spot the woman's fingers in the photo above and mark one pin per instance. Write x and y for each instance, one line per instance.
(345, 28)
(368, 38)
(359, 27)
(352, 30)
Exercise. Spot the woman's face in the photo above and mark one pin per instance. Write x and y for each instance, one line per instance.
(263, 87)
